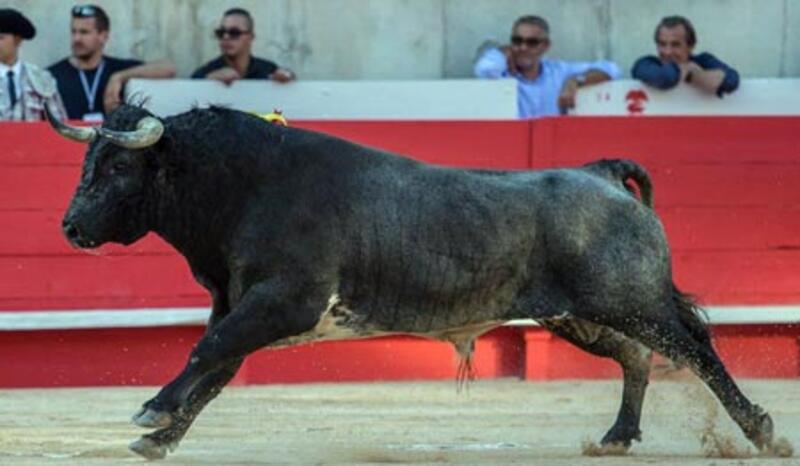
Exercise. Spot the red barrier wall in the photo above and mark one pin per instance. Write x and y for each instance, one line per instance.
(725, 187)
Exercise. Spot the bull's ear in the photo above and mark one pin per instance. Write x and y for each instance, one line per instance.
(76, 133)
(148, 131)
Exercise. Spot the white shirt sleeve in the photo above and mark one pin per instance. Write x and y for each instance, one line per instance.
(491, 64)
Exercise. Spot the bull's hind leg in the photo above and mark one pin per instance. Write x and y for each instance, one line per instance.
(687, 343)
(632, 356)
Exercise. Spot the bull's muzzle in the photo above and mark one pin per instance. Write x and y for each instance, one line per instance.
(74, 234)
(148, 131)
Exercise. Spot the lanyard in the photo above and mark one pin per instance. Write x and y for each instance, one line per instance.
(91, 93)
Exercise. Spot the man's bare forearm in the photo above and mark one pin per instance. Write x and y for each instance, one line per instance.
(153, 70)
(596, 77)
(707, 80)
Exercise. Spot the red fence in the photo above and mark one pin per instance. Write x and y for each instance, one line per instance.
(727, 189)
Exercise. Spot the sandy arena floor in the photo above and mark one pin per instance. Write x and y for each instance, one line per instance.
(496, 422)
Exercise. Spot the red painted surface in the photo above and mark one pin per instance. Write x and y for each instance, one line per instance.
(476, 144)
(152, 356)
(759, 350)
(497, 354)
(119, 356)
(548, 357)
(725, 187)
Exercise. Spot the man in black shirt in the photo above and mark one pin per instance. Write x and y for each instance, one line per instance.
(89, 82)
(235, 35)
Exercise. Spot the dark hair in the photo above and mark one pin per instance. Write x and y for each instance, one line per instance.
(241, 12)
(673, 21)
(101, 21)
(533, 20)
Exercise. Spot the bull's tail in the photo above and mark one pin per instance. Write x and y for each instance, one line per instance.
(692, 316)
(622, 170)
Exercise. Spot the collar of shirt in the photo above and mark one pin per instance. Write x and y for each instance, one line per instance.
(544, 66)
(17, 69)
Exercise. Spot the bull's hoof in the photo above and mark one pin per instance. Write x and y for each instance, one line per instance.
(621, 437)
(147, 417)
(605, 449)
(762, 432)
(149, 449)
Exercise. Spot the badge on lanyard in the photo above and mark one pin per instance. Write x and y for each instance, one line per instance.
(91, 92)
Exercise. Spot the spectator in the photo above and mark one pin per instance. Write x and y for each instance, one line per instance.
(90, 82)
(544, 86)
(235, 34)
(25, 88)
(675, 39)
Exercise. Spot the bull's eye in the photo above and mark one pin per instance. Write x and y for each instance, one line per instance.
(118, 168)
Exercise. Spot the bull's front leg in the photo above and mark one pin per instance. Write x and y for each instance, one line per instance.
(266, 313)
(155, 445)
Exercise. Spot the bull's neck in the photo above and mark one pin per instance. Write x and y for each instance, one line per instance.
(195, 219)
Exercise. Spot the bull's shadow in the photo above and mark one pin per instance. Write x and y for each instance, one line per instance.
(300, 236)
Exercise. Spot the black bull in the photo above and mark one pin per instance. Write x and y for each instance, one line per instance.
(300, 236)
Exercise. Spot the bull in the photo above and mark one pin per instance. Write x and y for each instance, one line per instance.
(300, 236)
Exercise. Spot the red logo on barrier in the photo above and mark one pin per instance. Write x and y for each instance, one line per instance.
(636, 99)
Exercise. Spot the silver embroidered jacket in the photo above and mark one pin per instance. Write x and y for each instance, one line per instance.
(38, 87)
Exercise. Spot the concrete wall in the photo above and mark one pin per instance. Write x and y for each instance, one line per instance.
(426, 39)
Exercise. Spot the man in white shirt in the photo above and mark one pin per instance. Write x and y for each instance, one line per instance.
(544, 87)
(24, 87)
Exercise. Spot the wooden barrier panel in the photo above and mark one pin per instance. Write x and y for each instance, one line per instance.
(40, 170)
(725, 187)
(771, 96)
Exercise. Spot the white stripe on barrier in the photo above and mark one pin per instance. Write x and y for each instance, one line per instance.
(121, 318)
(102, 318)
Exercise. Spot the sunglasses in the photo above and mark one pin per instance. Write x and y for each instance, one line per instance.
(233, 33)
(529, 41)
(84, 11)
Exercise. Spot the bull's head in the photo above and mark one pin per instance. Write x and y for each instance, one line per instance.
(111, 202)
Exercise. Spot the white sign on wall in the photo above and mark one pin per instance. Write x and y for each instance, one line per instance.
(630, 97)
(462, 99)
(468, 99)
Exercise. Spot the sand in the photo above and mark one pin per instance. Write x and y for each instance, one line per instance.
(495, 422)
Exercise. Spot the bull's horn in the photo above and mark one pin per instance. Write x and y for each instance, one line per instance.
(77, 133)
(148, 132)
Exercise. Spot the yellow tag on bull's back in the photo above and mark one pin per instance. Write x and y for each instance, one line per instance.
(275, 117)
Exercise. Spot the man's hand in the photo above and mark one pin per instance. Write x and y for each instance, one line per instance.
(282, 75)
(687, 69)
(566, 99)
(225, 75)
(511, 66)
(697, 77)
(112, 98)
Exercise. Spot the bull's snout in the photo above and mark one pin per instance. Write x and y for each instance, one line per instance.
(74, 235)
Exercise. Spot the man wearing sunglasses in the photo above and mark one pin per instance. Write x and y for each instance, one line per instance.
(235, 35)
(90, 82)
(24, 87)
(544, 87)
(675, 40)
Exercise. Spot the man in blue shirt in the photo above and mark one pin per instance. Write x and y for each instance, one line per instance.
(675, 39)
(544, 87)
